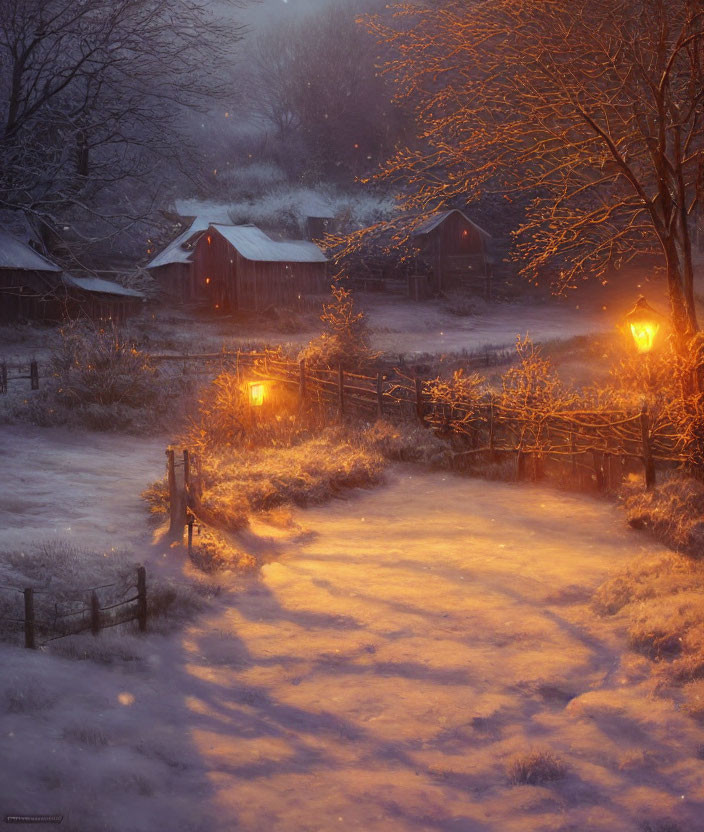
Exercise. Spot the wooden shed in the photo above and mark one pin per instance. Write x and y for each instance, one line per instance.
(173, 267)
(456, 249)
(30, 284)
(33, 288)
(100, 299)
(239, 267)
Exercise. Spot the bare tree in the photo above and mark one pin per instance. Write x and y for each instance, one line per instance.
(91, 91)
(317, 80)
(592, 108)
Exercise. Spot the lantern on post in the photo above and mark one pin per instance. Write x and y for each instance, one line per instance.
(644, 324)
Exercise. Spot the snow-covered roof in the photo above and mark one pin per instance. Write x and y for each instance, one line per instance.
(253, 244)
(14, 254)
(103, 287)
(175, 251)
(438, 219)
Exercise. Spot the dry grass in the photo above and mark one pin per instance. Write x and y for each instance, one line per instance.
(673, 512)
(535, 768)
(662, 600)
(312, 471)
(213, 552)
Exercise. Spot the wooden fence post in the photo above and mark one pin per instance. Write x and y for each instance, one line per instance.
(29, 619)
(520, 463)
(302, 382)
(492, 440)
(420, 407)
(341, 389)
(380, 395)
(34, 375)
(598, 470)
(3, 377)
(186, 478)
(142, 598)
(190, 535)
(175, 512)
(94, 614)
(573, 453)
(648, 462)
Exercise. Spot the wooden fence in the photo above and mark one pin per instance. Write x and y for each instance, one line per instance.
(595, 441)
(43, 620)
(19, 372)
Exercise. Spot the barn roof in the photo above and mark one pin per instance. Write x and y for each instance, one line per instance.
(16, 255)
(175, 252)
(100, 286)
(435, 220)
(253, 244)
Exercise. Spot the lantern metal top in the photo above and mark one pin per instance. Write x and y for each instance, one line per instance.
(643, 311)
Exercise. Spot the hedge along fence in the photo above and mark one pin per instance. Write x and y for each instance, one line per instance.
(595, 441)
(43, 620)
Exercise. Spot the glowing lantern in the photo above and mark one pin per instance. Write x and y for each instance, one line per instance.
(644, 324)
(256, 393)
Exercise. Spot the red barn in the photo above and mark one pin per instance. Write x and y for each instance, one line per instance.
(456, 249)
(172, 268)
(240, 267)
(228, 267)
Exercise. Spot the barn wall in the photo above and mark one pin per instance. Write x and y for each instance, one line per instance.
(214, 272)
(457, 252)
(229, 281)
(177, 281)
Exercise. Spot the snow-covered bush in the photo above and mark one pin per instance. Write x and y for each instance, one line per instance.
(93, 365)
(536, 768)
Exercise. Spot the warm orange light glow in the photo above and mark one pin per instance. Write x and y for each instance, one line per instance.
(207, 280)
(644, 335)
(210, 239)
(256, 394)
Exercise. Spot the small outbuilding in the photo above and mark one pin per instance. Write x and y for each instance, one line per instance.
(30, 284)
(457, 250)
(239, 267)
(34, 288)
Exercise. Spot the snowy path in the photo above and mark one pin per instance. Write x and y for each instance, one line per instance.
(376, 676)
(380, 677)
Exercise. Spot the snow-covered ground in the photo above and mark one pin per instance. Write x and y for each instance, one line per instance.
(377, 675)
(401, 326)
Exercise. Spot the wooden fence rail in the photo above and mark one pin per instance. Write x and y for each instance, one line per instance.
(486, 423)
(19, 372)
(47, 621)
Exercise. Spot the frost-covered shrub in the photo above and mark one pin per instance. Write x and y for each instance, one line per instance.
(96, 366)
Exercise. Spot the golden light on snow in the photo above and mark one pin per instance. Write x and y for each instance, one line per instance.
(125, 698)
(644, 335)
(256, 393)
